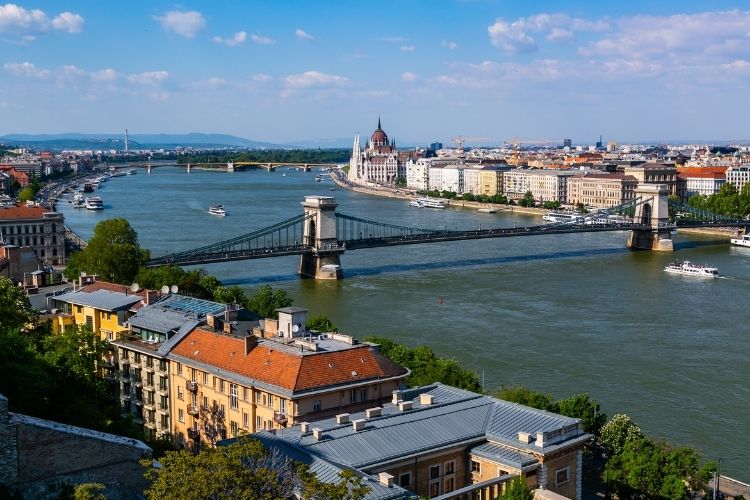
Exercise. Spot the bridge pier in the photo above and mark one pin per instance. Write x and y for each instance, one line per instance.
(323, 262)
(654, 212)
(230, 166)
(148, 168)
(188, 168)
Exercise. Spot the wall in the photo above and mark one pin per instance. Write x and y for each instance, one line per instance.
(419, 469)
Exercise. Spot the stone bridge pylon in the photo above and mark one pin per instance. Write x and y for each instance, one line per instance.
(655, 213)
(324, 261)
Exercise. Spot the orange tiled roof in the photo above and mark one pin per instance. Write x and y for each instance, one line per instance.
(277, 366)
(21, 212)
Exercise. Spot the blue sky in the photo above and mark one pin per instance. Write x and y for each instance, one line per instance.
(290, 70)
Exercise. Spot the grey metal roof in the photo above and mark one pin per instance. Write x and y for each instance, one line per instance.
(160, 320)
(504, 455)
(291, 310)
(100, 299)
(327, 471)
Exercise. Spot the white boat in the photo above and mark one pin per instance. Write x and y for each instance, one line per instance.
(318, 178)
(569, 218)
(217, 210)
(94, 203)
(487, 210)
(78, 197)
(742, 242)
(415, 203)
(132, 171)
(687, 268)
(430, 203)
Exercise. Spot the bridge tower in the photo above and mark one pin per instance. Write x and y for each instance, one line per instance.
(230, 166)
(654, 212)
(323, 262)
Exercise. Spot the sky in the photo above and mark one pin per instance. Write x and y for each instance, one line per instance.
(289, 70)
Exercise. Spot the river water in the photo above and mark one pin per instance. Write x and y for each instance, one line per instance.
(558, 313)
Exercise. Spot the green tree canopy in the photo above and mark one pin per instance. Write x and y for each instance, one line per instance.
(617, 432)
(525, 396)
(15, 309)
(113, 253)
(321, 323)
(242, 470)
(517, 489)
(26, 194)
(266, 300)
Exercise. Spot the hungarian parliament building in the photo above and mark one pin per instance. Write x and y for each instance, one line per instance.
(380, 162)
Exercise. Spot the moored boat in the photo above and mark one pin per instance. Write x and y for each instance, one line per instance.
(742, 242)
(430, 203)
(217, 210)
(94, 203)
(564, 217)
(687, 268)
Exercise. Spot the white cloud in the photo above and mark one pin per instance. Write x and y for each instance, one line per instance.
(738, 66)
(518, 36)
(408, 76)
(16, 19)
(393, 39)
(148, 77)
(104, 75)
(70, 71)
(314, 79)
(233, 40)
(407, 48)
(262, 40)
(26, 70)
(183, 23)
(303, 35)
(449, 45)
(262, 78)
(67, 21)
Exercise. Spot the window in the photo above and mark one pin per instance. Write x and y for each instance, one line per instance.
(258, 423)
(363, 394)
(476, 467)
(233, 397)
(179, 392)
(164, 422)
(434, 489)
(181, 415)
(501, 472)
(316, 405)
(179, 368)
(353, 396)
(234, 428)
(257, 398)
(221, 385)
(245, 420)
(450, 467)
(163, 383)
(205, 402)
(193, 374)
(150, 378)
(449, 484)
(205, 378)
(89, 322)
(282, 405)
(138, 357)
(434, 471)
(245, 393)
(223, 410)
(404, 480)
(162, 365)
(561, 476)
(265, 399)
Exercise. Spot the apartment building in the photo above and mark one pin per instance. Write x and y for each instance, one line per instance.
(418, 174)
(544, 185)
(739, 176)
(436, 439)
(145, 387)
(36, 227)
(228, 383)
(435, 177)
(702, 183)
(453, 179)
(601, 190)
(655, 173)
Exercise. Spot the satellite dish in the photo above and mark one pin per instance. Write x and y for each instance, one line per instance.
(135, 287)
(295, 328)
(165, 289)
(174, 289)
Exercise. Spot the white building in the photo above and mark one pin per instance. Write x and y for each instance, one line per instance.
(739, 176)
(544, 185)
(418, 174)
(436, 177)
(453, 179)
(705, 184)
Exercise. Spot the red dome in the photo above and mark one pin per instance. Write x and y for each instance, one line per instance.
(379, 138)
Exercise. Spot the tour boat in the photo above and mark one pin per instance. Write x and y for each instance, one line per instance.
(430, 203)
(415, 203)
(94, 203)
(687, 268)
(217, 210)
(563, 217)
(743, 242)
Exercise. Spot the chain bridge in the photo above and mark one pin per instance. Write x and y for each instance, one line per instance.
(320, 234)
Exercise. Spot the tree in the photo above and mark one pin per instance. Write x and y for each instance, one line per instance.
(113, 253)
(15, 309)
(525, 396)
(266, 300)
(77, 350)
(242, 470)
(89, 491)
(26, 194)
(321, 323)
(527, 200)
(617, 432)
(400, 182)
(517, 489)
(583, 407)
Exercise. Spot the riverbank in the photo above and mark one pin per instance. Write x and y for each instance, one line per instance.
(408, 195)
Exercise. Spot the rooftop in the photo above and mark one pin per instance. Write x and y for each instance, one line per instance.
(101, 299)
(19, 212)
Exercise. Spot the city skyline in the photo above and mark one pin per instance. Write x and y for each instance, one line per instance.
(268, 72)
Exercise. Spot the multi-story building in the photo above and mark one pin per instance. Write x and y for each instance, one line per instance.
(601, 190)
(435, 177)
(516, 183)
(379, 163)
(702, 183)
(655, 173)
(227, 383)
(471, 179)
(145, 387)
(544, 185)
(418, 174)
(490, 181)
(436, 439)
(739, 176)
(36, 227)
(453, 179)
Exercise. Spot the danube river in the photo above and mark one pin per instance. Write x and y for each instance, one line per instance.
(558, 313)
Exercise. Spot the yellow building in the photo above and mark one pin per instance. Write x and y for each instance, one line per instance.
(490, 181)
(601, 190)
(223, 384)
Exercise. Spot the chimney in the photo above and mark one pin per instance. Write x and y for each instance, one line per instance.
(373, 412)
(385, 479)
(359, 424)
(227, 328)
(211, 321)
(342, 418)
(524, 437)
(396, 397)
(404, 406)
(151, 296)
(540, 439)
(317, 434)
(426, 399)
(304, 427)
(250, 342)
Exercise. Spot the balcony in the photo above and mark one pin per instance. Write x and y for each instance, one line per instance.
(192, 386)
(124, 375)
(124, 362)
(194, 410)
(149, 367)
(163, 407)
(194, 433)
(160, 368)
(280, 418)
(149, 404)
(163, 390)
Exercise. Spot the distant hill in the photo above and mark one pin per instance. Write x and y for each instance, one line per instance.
(136, 141)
